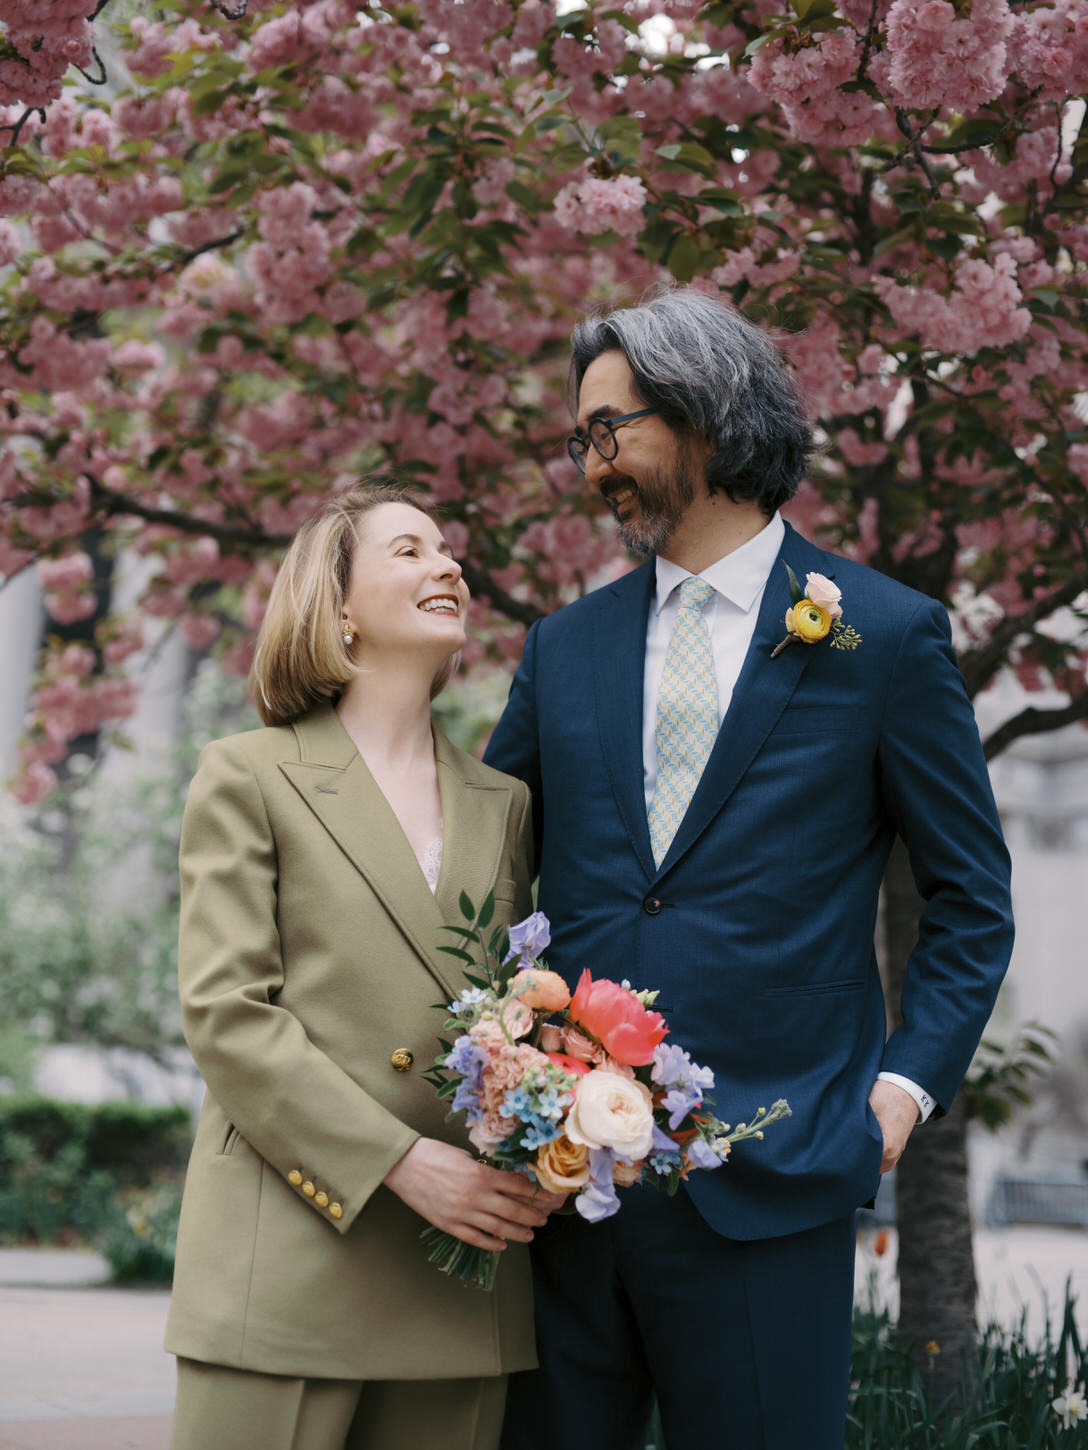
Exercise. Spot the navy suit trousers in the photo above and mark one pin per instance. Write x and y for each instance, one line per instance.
(745, 1343)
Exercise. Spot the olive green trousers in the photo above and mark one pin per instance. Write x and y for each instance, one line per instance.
(230, 1409)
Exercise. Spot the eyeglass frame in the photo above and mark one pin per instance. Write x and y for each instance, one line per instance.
(581, 439)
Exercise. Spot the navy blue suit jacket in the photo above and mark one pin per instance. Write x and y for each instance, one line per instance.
(758, 926)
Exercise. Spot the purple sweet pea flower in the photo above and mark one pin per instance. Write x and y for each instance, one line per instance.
(663, 1143)
(673, 1067)
(679, 1102)
(701, 1155)
(468, 1059)
(599, 1198)
(530, 937)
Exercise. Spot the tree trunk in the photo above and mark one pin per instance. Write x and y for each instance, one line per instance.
(937, 1285)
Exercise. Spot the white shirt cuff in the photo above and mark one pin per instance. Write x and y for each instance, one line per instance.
(926, 1104)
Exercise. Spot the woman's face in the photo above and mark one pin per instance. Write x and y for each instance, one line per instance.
(406, 590)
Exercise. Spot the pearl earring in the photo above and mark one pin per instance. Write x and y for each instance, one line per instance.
(348, 637)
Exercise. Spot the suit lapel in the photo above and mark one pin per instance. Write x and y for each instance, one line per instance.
(475, 811)
(333, 779)
(762, 692)
(620, 655)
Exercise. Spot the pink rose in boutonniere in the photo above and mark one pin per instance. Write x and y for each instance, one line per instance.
(815, 613)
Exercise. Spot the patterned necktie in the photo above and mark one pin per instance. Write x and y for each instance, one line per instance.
(687, 716)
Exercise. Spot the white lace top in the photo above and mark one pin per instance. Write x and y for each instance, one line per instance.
(431, 862)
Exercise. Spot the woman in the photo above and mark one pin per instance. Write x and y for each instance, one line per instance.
(319, 860)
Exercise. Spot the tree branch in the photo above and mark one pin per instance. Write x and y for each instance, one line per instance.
(979, 665)
(1031, 721)
(108, 503)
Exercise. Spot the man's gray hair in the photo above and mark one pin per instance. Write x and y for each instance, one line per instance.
(710, 372)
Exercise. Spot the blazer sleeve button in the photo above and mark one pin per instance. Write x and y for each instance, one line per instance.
(308, 1189)
(294, 1178)
(321, 1199)
(402, 1059)
(336, 1210)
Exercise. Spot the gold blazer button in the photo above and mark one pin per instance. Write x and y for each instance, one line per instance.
(402, 1059)
(294, 1178)
(308, 1189)
(322, 1199)
(336, 1210)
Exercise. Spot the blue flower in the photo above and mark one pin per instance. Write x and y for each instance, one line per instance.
(530, 937)
(467, 1002)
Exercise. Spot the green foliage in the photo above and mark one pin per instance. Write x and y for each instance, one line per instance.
(62, 1164)
(89, 901)
(1009, 1407)
(138, 1232)
(997, 1083)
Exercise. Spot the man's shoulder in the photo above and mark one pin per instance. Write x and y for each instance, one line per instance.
(628, 587)
(862, 584)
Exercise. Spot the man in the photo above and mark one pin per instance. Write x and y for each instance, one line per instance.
(737, 869)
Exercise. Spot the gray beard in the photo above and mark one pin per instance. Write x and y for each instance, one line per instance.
(647, 536)
(651, 531)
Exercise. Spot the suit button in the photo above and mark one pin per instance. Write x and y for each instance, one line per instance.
(651, 906)
(294, 1178)
(402, 1059)
(322, 1199)
(308, 1189)
(336, 1210)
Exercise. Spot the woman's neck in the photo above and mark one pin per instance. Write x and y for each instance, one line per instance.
(388, 715)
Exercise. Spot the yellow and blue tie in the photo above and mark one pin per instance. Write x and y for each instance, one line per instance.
(687, 716)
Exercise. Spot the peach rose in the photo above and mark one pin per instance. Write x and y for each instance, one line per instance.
(577, 1044)
(619, 1068)
(562, 1166)
(540, 989)
(824, 594)
(551, 1037)
(610, 1112)
(626, 1175)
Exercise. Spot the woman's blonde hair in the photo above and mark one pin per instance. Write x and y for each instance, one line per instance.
(301, 659)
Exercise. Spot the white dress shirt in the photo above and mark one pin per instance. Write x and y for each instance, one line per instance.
(738, 581)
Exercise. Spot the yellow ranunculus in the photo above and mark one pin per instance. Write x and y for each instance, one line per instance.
(808, 621)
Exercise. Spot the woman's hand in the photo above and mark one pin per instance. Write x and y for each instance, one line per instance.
(480, 1205)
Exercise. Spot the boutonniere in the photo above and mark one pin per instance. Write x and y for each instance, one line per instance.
(816, 613)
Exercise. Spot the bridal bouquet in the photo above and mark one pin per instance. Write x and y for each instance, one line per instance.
(581, 1092)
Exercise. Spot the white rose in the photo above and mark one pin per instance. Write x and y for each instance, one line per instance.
(612, 1112)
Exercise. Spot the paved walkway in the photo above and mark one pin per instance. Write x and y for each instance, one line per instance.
(82, 1365)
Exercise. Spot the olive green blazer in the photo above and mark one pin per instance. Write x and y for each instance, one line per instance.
(309, 974)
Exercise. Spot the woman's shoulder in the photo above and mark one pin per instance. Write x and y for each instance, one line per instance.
(251, 749)
(472, 770)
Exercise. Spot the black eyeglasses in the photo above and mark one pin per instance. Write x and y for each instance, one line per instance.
(602, 434)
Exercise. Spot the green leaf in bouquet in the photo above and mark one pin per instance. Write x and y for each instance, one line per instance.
(468, 911)
(460, 955)
(796, 592)
(481, 982)
(487, 911)
(465, 933)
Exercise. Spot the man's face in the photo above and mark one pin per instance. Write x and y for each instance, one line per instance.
(653, 477)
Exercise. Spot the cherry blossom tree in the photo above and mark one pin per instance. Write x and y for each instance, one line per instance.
(288, 243)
